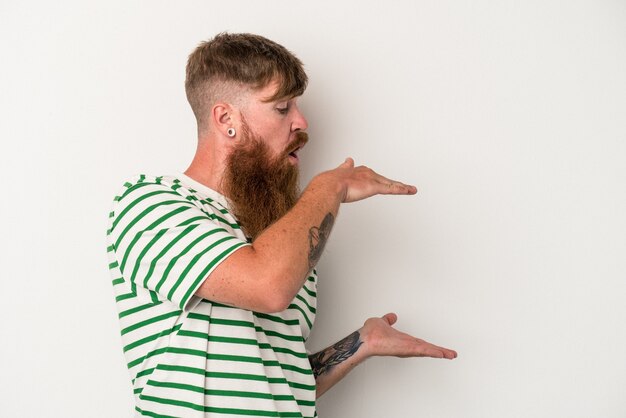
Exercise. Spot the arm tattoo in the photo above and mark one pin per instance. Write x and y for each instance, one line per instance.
(318, 237)
(323, 361)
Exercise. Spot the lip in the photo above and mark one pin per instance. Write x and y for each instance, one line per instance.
(293, 157)
(300, 140)
(293, 154)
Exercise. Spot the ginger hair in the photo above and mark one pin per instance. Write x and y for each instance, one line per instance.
(224, 67)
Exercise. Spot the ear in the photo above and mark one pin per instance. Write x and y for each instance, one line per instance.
(223, 115)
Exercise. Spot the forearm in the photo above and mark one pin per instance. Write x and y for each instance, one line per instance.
(266, 275)
(335, 362)
(291, 247)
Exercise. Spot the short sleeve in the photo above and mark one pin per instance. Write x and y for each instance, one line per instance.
(166, 243)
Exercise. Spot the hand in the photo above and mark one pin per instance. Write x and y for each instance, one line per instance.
(381, 339)
(361, 182)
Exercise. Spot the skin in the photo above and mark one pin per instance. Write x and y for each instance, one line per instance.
(266, 276)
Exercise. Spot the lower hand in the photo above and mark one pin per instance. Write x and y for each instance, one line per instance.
(381, 339)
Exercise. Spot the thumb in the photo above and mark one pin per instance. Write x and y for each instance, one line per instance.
(348, 163)
(391, 318)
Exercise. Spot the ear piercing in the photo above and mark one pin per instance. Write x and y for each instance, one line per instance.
(231, 132)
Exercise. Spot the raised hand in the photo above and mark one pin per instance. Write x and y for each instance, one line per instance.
(361, 182)
(381, 339)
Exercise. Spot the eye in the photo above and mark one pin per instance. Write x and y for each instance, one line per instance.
(282, 110)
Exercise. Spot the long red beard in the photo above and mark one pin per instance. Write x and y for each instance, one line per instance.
(260, 189)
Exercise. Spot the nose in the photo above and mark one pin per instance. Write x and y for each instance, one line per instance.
(299, 122)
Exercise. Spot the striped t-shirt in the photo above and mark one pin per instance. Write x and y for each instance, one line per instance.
(187, 356)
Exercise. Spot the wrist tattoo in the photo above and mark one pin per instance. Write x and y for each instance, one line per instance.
(318, 238)
(326, 359)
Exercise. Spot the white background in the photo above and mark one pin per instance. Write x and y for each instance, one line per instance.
(509, 116)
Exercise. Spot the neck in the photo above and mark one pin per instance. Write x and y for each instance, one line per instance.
(208, 164)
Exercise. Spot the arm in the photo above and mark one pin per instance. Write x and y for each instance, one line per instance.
(266, 275)
(377, 337)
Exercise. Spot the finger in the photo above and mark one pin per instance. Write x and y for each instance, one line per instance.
(348, 163)
(431, 351)
(443, 352)
(395, 187)
(391, 318)
(447, 354)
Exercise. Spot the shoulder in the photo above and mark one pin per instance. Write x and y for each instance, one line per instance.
(144, 197)
(153, 198)
(143, 184)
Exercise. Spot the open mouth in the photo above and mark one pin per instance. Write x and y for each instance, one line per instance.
(296, 146)
(294, 154)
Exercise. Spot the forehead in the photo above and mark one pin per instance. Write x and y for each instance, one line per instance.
(265, 94)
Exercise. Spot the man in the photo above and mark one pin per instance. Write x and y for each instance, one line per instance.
(213, 269)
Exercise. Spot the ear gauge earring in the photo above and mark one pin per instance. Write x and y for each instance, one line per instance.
(231, 132)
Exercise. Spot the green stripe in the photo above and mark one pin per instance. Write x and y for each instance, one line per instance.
(297, 338)
(143, 214)
(220, 392)
(277, 319)
(218, 339)
(210, 266)
(136, 202)
(132, 187)
(168, 247)
(152, 414)
(211, 202)
(302, 386)
(238, 376)
(296, 369)
(220, 375)
(210, 356)
(245, 341)
(188, 248)
(150, 227)
(191, 220)
(152, 242)
(283, 350)
(226, 357)
(156, 259)
(310, 292)
(306, 318)
(309, 307)
(150, 321)
(125, 296)
(146, 372)
(147, 356)
(152, 337)
(137, 309)
(233, 411)
(142, 254)
(201, 317)
(222, 220)
(202, 274)
(117, 281)
(233, 322)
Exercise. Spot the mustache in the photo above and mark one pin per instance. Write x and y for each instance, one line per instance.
(301, 139)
